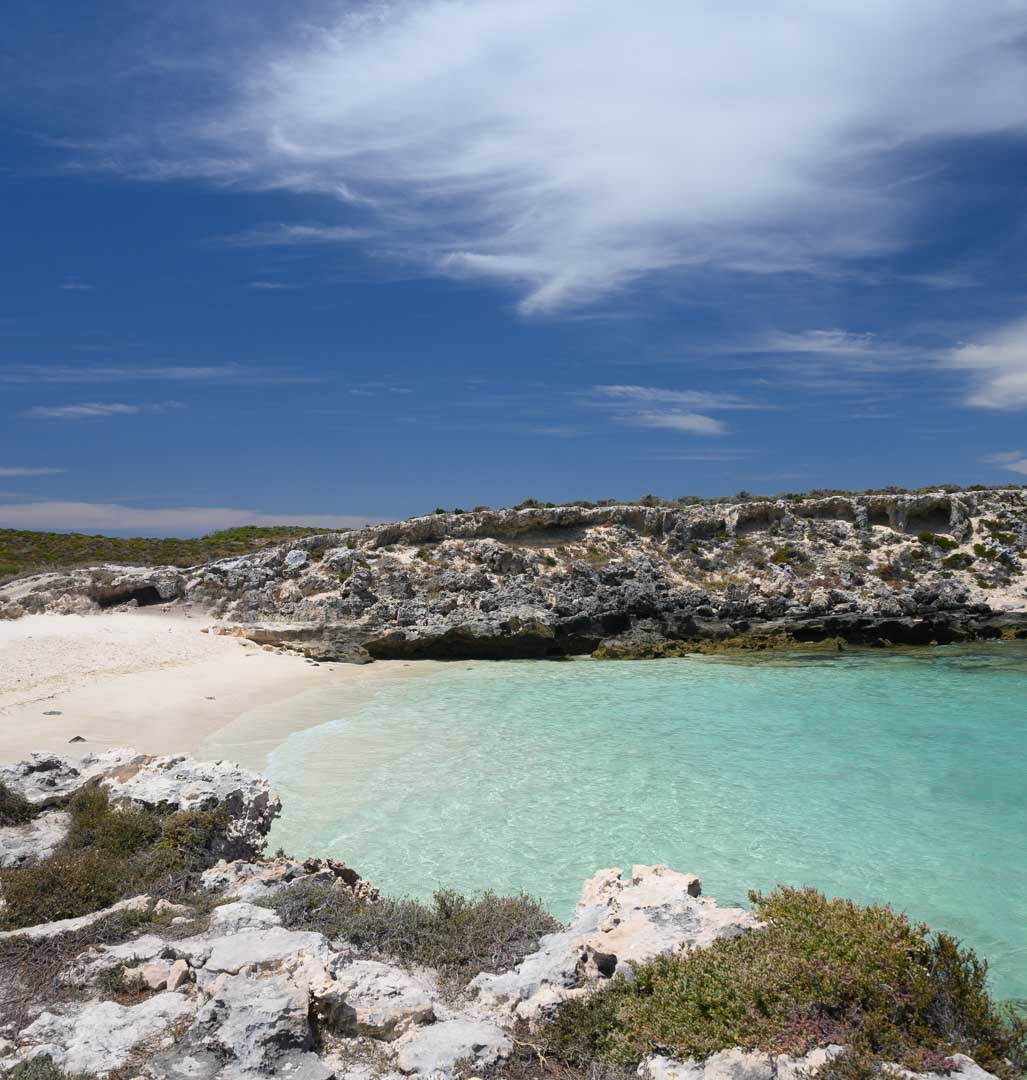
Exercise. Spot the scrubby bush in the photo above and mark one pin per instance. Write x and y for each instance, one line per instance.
(107, 856)
(15, 809)
(789, 553)
(455, 934)
(946, 543)
(820, 971)
(24, 551)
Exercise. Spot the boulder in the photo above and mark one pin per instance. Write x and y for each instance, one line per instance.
(372, 999)
(434, 1050)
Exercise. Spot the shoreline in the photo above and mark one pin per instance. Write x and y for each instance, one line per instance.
(155, 681)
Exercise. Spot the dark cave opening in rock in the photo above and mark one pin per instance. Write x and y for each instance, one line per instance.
(144, 596)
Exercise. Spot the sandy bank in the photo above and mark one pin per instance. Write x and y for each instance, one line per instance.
(156, 682)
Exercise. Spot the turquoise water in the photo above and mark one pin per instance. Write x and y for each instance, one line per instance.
(879, 776)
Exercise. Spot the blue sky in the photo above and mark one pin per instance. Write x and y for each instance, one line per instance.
(331, 262)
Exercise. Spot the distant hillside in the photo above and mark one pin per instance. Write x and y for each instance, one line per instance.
(25, 552)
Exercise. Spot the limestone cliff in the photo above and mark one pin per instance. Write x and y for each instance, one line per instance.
(618, 580)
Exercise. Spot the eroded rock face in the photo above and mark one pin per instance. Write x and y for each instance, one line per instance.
(617, 923)
(626, 580)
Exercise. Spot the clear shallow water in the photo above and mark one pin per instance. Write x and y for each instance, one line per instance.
(898, 776)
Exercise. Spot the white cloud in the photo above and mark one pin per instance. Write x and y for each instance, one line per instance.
(26, 374)
(699, 399)
(75, 285)
(92, 410)
(570, 148)
(693, 423)
(284, 235)
(1013, 460)
(181, 521)
(21, 470)
(658, 407)
(270, 285)
(844, 349)
(999, 364)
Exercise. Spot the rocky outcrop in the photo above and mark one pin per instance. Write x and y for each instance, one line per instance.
(165, 784)
(617, 923)
(625, 580)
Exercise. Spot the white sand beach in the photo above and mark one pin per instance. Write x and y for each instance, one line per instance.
(155, 681)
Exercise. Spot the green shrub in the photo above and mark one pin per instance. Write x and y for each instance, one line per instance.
(107, 856)
(958, 561)
(457, 935)
(820, 971)
(789, 554)
(935, 540)
(95, 825)
(15, 809)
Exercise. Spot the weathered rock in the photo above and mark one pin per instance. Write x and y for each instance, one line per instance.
(258, 881)
(232, 947)
(101, 1037)
(180, 783)
(433, 1050)
(49, 780)
(740, 1064)
(617, 923)
(620, 580)
(251, 1019)
(373, 999)
(21, 845)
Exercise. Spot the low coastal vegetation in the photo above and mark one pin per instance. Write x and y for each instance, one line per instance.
(108, 855)
(26, 552)
(820, 972)
(456, 935)
(14, 808)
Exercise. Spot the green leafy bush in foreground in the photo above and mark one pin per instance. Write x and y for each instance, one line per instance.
(820, 972)
(457, 935)
(107, 856)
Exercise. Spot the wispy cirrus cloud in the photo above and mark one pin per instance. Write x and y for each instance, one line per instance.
(693, 423)
(998, 363)
(864, 352)
(1012, 460)
(180, 521)
(285, 235)
(699, 399)
(75, 285)
(28, 374)
(29, 470)
(660, 407)
(569, 149)
(98, 410)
